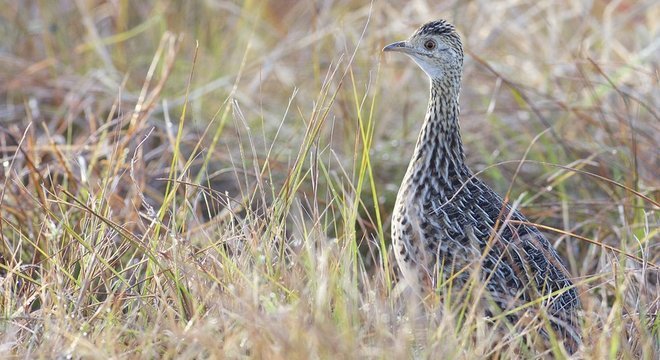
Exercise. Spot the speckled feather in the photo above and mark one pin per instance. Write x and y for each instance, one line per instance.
(446, 219)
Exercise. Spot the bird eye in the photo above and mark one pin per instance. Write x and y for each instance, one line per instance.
(429, 44)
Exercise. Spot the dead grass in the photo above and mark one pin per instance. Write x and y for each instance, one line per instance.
(214, 179)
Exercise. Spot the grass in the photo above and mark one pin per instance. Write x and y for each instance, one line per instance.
(215, 179)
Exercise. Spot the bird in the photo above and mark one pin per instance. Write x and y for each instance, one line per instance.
(446, 219)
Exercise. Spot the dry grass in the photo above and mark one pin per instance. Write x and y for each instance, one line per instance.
(213, 179)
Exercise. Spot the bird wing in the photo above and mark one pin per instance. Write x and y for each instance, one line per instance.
(516, 260)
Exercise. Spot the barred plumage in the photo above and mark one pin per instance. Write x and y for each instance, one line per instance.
(445, 219)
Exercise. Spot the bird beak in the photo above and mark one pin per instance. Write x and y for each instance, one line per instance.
(400, 46)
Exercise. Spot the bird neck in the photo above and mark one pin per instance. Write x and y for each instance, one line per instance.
(439, 149)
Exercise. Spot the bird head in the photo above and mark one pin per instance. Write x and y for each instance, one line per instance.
(435, 47)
